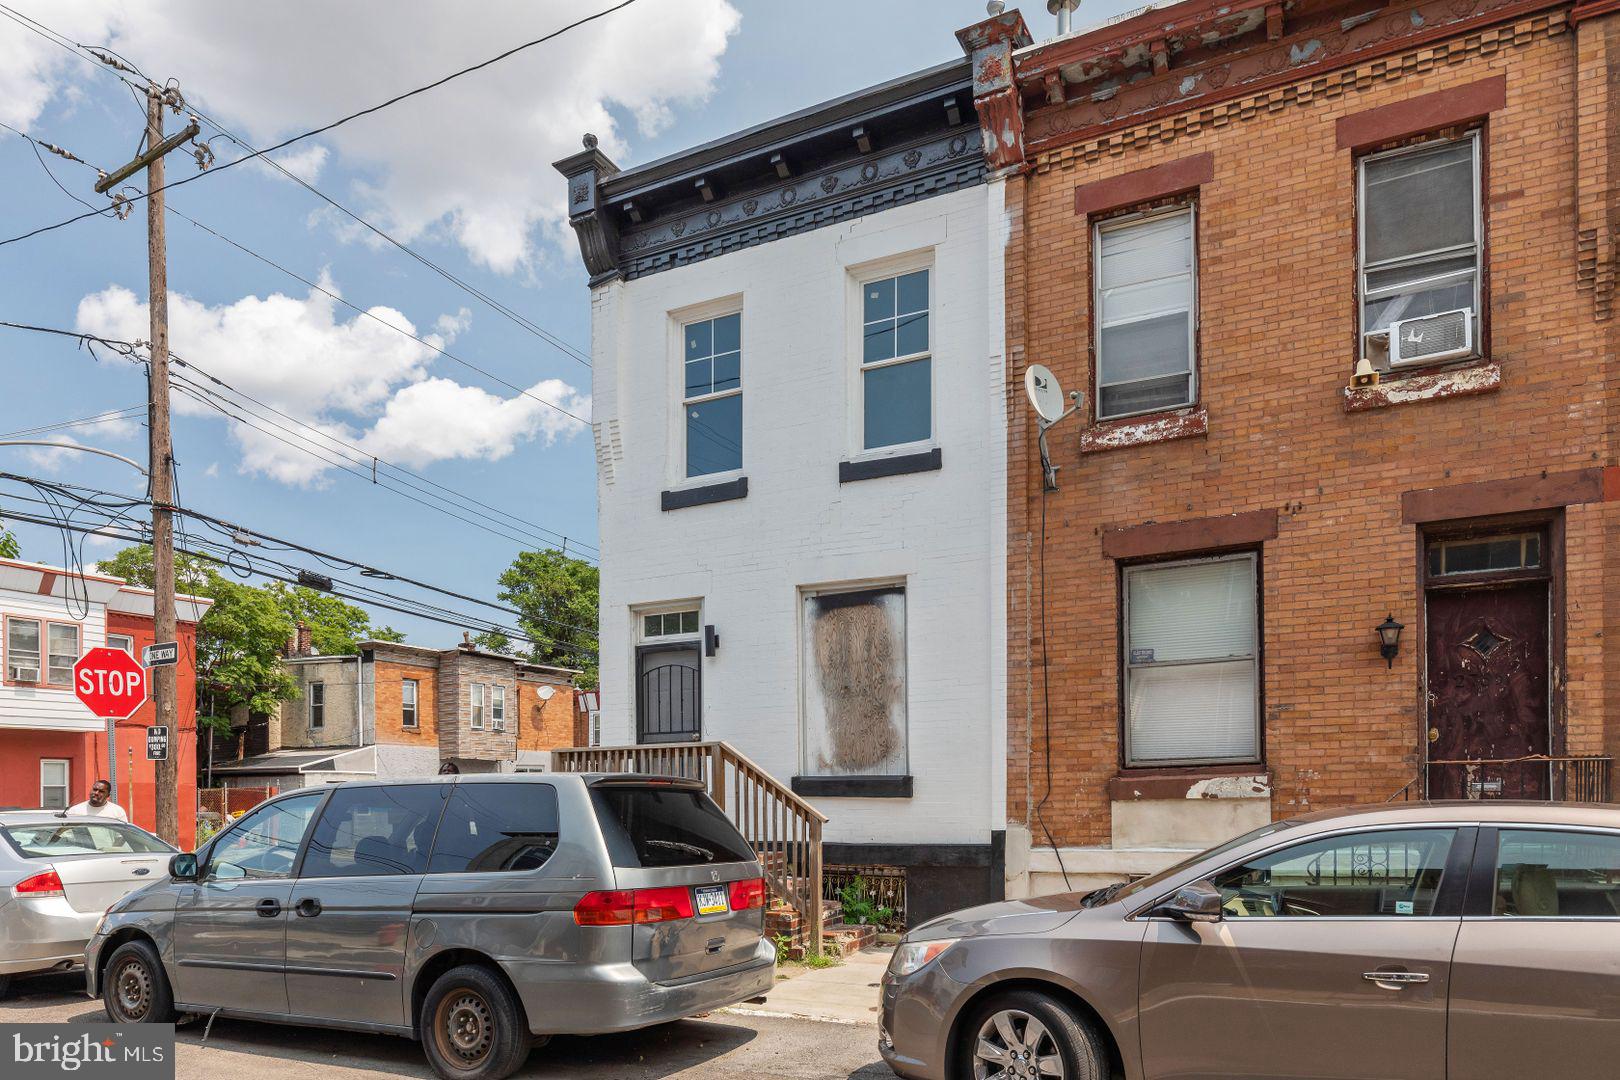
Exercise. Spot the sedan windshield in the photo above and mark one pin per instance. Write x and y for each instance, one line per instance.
(57, 839)
(1143, 884)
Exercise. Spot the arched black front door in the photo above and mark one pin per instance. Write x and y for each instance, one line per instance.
(669, 699)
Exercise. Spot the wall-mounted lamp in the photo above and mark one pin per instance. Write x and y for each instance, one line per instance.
(711, 640)
(1389, 638)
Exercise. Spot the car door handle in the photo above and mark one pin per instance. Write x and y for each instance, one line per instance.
(268, 908)
(1396, 980)
(308, 907)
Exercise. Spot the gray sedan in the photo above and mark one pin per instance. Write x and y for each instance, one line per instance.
(1421, 942)
(58, 874)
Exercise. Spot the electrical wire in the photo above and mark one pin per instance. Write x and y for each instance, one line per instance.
(1046, 705)
(323, 129)
(113, 416)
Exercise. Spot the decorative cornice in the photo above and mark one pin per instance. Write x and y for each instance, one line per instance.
(990, 45)
(906, 173)
(598, 239)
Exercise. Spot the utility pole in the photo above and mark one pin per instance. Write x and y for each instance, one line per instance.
(160, 467)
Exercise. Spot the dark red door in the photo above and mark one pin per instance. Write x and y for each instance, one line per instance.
(1488, 691)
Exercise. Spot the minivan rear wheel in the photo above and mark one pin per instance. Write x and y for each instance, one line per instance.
(134, 986)
(1024, 1035)
(473, 1026)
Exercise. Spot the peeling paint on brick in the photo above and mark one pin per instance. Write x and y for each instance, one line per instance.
(1153, 429)
(1479, 379)
(1231, 787)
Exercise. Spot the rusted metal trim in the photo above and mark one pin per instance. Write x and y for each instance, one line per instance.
(1142, 185)
(1143, 431)
(1194, 535)
(1583, 11)
(1514, 495)
(1141, 784)
(1426, 112)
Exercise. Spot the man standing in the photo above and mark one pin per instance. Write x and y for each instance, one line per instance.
(99, 804)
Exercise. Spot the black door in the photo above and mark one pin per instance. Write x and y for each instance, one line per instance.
(668, 694)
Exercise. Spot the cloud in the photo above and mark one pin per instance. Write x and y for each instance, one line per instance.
(468, 162)
(357, 383)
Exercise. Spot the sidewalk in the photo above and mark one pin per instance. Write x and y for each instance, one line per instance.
(844, 994)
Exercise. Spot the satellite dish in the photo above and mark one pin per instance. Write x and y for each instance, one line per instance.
(1045, 395)
(546, 692)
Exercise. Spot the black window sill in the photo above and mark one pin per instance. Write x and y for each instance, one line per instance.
(853, 787)
(896, 465)
(725, 491)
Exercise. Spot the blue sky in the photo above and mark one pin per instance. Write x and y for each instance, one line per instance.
(465, 176)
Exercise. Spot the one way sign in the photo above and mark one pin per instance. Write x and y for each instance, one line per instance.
(163, 654)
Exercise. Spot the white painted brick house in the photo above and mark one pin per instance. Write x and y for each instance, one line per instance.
(797, 346)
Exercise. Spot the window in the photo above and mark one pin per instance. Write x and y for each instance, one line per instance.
(22, 650)
(1557, 874)
(477, 694)
(654, 827)
(1420, 235)
(1485, 555)
(317, 705)
(63, 639)
(490, 828)
(896, 370)
(121, 641)
(712, 399)
(669, 624)
(497, 708)
(1393, 873)
(408, 690)
(1146, 294)
(1191, 677)
(264, 844)
(53, 784)
(45, 841)
(854, 682)
(370, 831)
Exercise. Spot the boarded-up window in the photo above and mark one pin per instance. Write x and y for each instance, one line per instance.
(854, 682)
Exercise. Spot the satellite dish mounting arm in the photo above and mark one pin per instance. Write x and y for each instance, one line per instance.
(1049, 471)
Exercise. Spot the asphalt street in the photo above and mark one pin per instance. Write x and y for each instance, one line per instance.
(719, 1047)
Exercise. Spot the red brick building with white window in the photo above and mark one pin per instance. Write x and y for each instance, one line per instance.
(51, 748)
(1216, 215)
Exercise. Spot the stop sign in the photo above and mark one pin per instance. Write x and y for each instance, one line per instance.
(110, 683)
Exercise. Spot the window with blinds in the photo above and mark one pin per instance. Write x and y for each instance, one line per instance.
(1191, 662)
(1145, 311)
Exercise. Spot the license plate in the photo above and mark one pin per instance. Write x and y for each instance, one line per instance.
(711, 900)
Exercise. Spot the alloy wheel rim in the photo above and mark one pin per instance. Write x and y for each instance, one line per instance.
(1013, 1045)
(132, 989)
(466, 1029)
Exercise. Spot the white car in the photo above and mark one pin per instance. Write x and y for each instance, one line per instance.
(58, 875)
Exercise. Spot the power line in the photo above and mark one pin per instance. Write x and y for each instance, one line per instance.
(128, 413)
(396, 99)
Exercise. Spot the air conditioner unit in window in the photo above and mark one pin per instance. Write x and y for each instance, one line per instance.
(1432, 338)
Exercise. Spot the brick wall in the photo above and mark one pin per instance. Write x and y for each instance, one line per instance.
(388, 679)
(549, 724)
(1276, 251)
(458, 671)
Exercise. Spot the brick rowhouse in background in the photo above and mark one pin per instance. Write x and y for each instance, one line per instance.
(1467, 498)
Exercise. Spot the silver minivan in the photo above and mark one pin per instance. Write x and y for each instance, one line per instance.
(479, 914)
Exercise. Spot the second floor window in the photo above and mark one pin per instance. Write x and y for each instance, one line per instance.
(1420, 244)
(22, 650)
(497, 708)
(477, 696)
(1146, 313)
(63, 639)
(896, 369)
(317, 705)
(408, 690)
(711, 399)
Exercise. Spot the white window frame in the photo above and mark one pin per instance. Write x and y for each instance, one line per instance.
(67, 780)
(38, 653)
(497, 707)
(121, 641)
(1127, 666)
(860, 277)
(316, 715)
(51, 654)
(642, 614)
(1125, 221)
(679, 321)
(1478, 246)
(410, 714)
(476, 696)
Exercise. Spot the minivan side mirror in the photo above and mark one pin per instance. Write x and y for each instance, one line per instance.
(183, 867)
(1196, 901)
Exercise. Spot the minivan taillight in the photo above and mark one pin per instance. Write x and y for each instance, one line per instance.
(749, 894)
(48, 883)
(624, 907)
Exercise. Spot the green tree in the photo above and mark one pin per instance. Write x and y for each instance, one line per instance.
(557, 597)
(9, 548)
(335, 626)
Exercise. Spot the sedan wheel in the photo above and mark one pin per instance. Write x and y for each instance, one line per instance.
(1016, 1046)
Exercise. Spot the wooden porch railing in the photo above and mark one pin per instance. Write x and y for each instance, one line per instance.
(783, 829)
